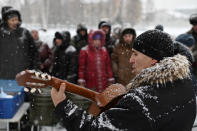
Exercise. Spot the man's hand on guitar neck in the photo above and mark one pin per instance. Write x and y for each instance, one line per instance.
(58, 95)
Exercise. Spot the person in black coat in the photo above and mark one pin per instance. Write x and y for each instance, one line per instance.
(160, 98)
(181, 48)
(81, 38)
(105, 26)
(65, 58)
(17, 48)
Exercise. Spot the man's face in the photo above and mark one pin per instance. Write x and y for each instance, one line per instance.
(140, 61)
(195, 28)
(58, 42)
(13, 22)
(128, 38)
(35, 35)
(82, 32)
(105, 29)
(97, 43)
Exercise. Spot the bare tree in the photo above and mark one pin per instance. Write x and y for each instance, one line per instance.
(72, 12)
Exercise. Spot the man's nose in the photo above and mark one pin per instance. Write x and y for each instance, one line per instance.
(132, 60)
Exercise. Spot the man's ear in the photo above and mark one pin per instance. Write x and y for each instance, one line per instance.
(153, 62)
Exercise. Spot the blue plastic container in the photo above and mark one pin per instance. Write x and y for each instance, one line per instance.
(9, 106)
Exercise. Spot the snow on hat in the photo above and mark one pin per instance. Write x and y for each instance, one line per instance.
(4, 9)
(97, 36)
(155, 44)
(186, 39)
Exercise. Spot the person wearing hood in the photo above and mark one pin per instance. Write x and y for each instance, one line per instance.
(105, 26)
(120, 57)
(65, 58)
(3, 9)
(95, 70)
(17, 48)
(81, 38)
(160, 98)
(18, 52)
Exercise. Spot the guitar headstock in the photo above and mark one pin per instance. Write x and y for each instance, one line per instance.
(33, 79)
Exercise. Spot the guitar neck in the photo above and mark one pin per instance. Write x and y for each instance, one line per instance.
(73, 88)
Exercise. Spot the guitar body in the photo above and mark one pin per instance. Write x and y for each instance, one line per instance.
(95, 110)
(101, 101)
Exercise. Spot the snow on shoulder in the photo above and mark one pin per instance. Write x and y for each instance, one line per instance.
(70, 49)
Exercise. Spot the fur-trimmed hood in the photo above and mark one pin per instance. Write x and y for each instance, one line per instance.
(167, 70)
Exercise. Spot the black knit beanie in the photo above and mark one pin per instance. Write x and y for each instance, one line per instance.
(129, 31)
(155, 44)
(58, 35)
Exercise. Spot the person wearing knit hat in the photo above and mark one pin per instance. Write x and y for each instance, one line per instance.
(161, 96)
(187, 40)
(121, 54)
(155, 44)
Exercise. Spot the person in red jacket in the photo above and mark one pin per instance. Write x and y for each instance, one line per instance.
(94, 63)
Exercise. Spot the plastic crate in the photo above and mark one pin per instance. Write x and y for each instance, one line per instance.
(9, 106)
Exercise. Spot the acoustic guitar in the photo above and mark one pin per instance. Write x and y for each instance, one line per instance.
(101, 101)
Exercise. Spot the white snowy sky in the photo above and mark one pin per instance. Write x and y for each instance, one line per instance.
(173, 4)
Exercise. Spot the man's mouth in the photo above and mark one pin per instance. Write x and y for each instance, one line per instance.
(133, 67)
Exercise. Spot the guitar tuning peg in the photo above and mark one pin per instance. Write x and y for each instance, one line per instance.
(48, 77)
(43, 76)
(37, 74)
(31, 71)
(33, 90)
(26, 89)
(39, 91)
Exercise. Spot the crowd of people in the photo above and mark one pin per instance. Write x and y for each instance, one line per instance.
(159, 72)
